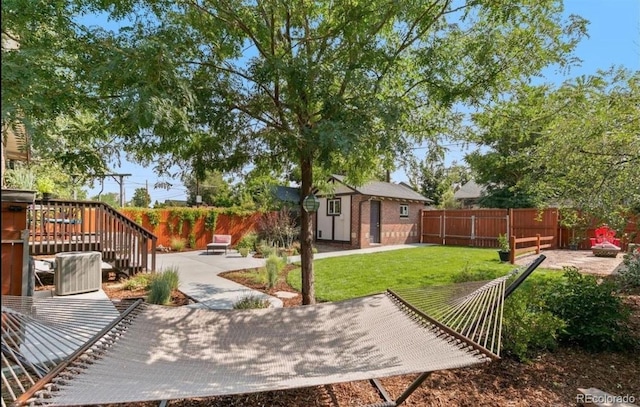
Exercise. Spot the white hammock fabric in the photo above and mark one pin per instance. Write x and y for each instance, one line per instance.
(163, 353)
(171, 353)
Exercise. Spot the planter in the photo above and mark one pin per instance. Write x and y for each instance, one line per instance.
(604, 252)
(504, 256)
(46, 196)
(573, 246)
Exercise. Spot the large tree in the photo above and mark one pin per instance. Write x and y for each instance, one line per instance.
(591, 149)
(576, 145)
(309, 87)
(44, 55)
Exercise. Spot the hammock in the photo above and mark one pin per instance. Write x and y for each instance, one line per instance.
(153, 352)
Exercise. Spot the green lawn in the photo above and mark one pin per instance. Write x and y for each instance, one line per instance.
(340, 278)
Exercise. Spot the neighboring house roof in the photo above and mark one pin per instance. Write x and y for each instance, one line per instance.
(470, 190)
(385, 190)
(287, 194)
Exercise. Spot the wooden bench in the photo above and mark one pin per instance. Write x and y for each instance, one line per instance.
(219, 242)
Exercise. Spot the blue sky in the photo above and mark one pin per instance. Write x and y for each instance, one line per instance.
(614, 40)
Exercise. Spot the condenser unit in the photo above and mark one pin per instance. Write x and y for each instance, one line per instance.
(77, 272)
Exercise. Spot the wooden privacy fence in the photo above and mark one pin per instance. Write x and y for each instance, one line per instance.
(481, 227)
(168, 226)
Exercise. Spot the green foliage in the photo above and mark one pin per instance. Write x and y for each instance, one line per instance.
(274, 267)
(432, 179)
(162, 284)
(171, 276)
(21, 177)
(248, 241)
(527, 326)
(177, 244)
(137, 282)
(503, 243)
(213, 189)
(154, 217)
(477, 274)
(349, 86)
(251, 302)
(45, 185)
(629, 276)
(141, 198)
(244, 251)
(159, 291)
(211, 220)
(576, 145)
(595, 316)
(110, 198)
(265, 249)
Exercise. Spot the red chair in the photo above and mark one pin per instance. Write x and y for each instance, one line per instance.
(604, 234)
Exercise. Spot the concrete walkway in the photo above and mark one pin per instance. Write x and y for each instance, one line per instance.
(199, 277)
(199, 274)
(199, 271)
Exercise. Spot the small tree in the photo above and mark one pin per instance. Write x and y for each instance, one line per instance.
(141, 198)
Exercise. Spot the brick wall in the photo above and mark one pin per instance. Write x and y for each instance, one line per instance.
(396, 229)
(393, 228)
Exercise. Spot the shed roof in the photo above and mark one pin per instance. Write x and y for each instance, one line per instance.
(385, 190)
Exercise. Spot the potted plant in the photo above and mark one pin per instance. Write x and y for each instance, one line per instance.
(504, 250)
(45, 187)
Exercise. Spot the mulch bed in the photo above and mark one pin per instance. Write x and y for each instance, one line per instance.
(552, 379)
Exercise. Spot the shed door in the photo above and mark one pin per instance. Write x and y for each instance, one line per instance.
(375, 222)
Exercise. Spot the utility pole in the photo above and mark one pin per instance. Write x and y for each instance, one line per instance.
(120, 181)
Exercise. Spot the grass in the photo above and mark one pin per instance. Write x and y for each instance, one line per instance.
(340, 278)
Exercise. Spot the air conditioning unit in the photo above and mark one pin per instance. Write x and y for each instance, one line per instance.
(77, 272)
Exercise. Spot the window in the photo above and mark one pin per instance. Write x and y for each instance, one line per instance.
(334, 207)
(404, 210)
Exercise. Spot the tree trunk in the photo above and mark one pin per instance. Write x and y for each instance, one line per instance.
(306, 235)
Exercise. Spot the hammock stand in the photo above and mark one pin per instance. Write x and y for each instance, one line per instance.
(475, 334)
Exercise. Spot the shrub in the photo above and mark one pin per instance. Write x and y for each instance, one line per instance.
(177, 244)
(137, 282)
(251, 302)
(629, 276)
(466, 274)
(274, 267)
(248, 241)
(159, 291)
(279, 228)
(527, 327)
(244, 251)
(171, 276)
(596, 318)
(266, 249)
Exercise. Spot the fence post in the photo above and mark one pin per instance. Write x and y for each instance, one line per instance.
(537, 243)
(473, 227)
(512, 249)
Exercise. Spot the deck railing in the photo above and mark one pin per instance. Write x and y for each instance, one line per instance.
(62, 226)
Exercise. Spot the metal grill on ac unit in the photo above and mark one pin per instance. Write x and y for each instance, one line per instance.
(78, 272)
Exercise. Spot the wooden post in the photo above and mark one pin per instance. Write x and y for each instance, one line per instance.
(512, 249)
(537, 243)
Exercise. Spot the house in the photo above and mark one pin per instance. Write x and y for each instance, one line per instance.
(469, 194)
(376, 213)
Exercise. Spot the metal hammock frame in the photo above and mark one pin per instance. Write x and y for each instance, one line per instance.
(43, 356)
